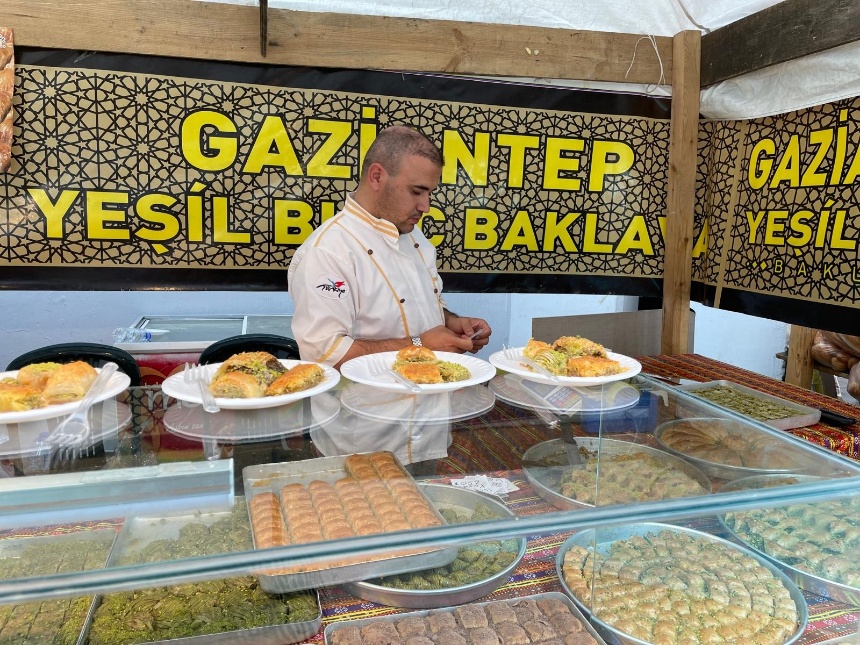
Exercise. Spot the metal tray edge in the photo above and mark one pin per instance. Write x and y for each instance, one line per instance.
(806, 415)
(564, 503)
(328, 575)
(794, 591)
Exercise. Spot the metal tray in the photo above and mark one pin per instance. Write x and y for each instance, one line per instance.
(805, 416)
(13, 548)
(138, 532)
(605, 537)
(545, 480)
(394, 618)
(727, 471)
(803, 579)
(270, 478)
(461, 500)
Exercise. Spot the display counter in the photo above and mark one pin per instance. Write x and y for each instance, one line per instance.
(634, 455)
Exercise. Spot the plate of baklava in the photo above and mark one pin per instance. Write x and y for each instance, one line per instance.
(255, 380)
(572, 360)
(431, 371)
(48, 390)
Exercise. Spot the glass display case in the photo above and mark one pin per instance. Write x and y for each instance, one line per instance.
(638, 499)
(177, 340)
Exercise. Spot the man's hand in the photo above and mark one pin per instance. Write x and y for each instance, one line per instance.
(442, 339)
(477, 330)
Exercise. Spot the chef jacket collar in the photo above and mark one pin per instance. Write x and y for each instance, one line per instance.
(386, 230)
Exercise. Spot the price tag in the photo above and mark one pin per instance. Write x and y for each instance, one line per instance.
(492, 485)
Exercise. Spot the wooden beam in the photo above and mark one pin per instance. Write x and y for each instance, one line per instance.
(798, 367)
(227, 32)
(681, 199)
(783, 32)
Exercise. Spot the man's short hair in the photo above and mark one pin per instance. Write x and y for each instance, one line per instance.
(393, 144)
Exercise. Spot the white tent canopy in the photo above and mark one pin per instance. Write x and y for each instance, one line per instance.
(812, 80)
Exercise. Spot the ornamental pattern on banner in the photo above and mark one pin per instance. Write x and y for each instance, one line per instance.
(778, 205)
(126, 170)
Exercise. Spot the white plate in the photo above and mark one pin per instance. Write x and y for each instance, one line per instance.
(175, 386)
(116, 384)
(22, 439)
(507, 387)
(630, 365)
(388, 405)
(364, 368)
(248, 426)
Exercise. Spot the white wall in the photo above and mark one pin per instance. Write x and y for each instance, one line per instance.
(34, 319)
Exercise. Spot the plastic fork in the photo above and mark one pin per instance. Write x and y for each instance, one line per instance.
(405, 382)
(74, 430)
(512, 355)
(194, 373)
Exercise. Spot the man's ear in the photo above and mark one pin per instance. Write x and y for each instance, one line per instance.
(376, 175)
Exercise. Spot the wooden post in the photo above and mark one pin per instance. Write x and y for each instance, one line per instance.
(798, 366)
(677, 261)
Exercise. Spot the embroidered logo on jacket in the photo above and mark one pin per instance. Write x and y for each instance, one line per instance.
(333, 287)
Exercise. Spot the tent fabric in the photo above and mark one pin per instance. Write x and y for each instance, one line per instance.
(812, 80)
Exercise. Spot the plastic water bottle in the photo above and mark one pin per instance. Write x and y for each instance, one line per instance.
(131, 335)
(39, 462)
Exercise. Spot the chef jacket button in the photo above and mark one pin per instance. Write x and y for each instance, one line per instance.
(402, 300)
(435, 291)
(416, 245)
(370, 251)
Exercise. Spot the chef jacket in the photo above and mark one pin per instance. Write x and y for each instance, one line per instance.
(356, 276)
(413, 427)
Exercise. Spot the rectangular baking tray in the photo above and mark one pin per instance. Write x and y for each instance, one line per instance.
(394, 618)
(14, 548)
(138, 532)
(270, 478)
(804, 415)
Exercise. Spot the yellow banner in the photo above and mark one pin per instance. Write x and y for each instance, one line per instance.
(124, 170)
(779, 205)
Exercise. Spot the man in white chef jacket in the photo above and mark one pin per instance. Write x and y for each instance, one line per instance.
(366, 280)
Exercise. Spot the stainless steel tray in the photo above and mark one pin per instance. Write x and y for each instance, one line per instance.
(138, 532)
(13, 548)
(803, 579)
(270, 478)
(545, 480)
(804, 415)
(332, 628)
(461, 500)
(727, 471)
(605, 538)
